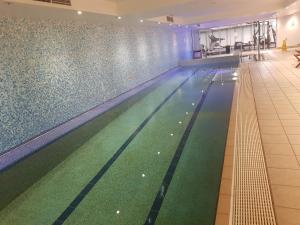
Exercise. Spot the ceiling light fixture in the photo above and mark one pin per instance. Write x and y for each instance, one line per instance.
(79, 12)
(119, 17)
(141, 20)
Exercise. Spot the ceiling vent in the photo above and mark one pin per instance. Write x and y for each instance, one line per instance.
(61, 2)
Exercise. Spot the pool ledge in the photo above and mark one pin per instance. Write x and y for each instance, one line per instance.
(225, 193)
(245, 194)
(16, 154)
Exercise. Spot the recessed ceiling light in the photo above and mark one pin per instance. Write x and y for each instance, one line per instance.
(141, 20)
(118, 212)
(119, 17)
(79, 12)
(158, 22)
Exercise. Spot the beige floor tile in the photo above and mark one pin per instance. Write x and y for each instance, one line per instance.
(291, 123)
(278, 149)
(292, 130)
(228, 160)
(271, 130)
(296, 149)
(286, 196)
(224, 204)
(294, 139)
(227, 172)
(230, 143)
(286, 216)
(229, 149)
(283, 106)
(225, 188)
(286, 110)
(282, 161)
(269, 123)
(222, 219)
(284, 177)
(270, 110)
(289, 116)
(274, 139)
(267, 116)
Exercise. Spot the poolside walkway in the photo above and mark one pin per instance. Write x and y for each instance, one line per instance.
(272, 89)
(276, 87)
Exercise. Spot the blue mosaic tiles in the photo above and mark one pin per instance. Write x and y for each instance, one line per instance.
(51, 71)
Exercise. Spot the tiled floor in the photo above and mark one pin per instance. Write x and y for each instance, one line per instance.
(276, 87)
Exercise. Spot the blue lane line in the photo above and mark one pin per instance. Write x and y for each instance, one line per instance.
(154, 211)
(83, 193)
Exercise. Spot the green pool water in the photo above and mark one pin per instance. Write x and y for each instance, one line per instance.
(125, 193)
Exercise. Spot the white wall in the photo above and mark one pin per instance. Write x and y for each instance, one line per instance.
(52, 70)
(289, 27)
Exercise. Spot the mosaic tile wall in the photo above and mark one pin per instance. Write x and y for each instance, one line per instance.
(51, 71)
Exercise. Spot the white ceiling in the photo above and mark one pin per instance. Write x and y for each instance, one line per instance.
(184, 11)
(199, 11)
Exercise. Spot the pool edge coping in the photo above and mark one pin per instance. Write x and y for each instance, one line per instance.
(224, 208)
(37, 143)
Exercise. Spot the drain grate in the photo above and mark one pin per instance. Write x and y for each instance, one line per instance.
(251, 197)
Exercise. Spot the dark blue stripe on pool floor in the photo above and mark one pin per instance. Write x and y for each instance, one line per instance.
(74, 204)
(154, 211)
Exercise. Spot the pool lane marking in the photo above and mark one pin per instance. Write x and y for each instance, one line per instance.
(74, 204)
(154, 211)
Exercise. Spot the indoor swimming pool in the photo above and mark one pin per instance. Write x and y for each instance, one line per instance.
(156, 158)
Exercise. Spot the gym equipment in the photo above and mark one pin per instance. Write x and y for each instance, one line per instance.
(214, 42)
(263, 34)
